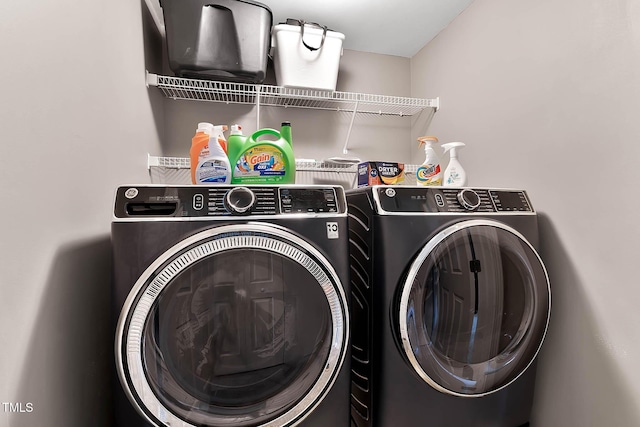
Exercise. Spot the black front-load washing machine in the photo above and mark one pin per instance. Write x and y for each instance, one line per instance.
(450, 306)
(231, 306)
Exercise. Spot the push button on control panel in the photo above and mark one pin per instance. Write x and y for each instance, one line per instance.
(198, 202)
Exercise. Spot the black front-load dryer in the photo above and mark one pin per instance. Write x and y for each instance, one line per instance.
(450, 306)
(231, 306)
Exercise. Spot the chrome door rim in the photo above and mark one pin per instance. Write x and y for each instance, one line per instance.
(264, 236)
(407, 286)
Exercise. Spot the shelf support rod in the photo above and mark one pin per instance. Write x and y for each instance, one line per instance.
(258, 90)
(353, 116)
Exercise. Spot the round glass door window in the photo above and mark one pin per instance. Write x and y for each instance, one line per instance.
(474, 308)
(239, 325)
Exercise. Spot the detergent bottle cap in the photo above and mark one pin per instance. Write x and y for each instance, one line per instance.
(236, 129)
(285, 132)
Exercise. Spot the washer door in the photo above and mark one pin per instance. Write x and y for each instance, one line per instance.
(243, 325)
(474, 308)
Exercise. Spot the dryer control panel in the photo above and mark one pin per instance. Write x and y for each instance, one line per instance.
(223, 201)
(399, 199)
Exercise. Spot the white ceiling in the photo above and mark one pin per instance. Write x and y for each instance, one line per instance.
(392, 27)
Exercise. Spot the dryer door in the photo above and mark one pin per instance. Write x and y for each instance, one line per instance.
(243, 325)
(474, 308)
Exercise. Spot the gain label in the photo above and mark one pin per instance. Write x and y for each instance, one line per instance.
(260, 161)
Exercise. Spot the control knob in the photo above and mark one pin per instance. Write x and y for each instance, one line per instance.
(469, 199)
(239, 200)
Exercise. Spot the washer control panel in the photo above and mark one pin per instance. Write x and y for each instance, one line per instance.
(216, 201)
(397, 199)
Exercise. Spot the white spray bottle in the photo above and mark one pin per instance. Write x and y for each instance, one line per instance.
(430, 172)
(218, 132)
(454, 175)
(213, 164)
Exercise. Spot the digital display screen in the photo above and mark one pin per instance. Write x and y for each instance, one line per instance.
(510, 201)
(308, 200)
(411, 200)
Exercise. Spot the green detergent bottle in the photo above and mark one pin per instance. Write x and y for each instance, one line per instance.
(261, 159)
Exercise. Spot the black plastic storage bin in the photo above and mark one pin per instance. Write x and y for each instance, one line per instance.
(225, 40)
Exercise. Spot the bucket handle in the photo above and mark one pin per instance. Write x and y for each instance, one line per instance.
(217, 6)
(302, 24)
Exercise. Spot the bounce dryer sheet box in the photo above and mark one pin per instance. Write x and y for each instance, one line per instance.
(380, 173)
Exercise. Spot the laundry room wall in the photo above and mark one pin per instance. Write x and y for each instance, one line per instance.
(76, 121)
(546, 96)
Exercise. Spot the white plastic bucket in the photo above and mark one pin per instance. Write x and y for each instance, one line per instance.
(306, 56)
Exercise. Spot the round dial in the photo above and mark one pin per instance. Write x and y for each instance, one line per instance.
(239, 200)
(469, 199)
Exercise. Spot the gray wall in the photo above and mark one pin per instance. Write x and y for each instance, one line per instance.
(546, 95)
(76, 121)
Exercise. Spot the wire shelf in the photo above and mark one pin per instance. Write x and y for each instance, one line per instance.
(301, 164)
(175, 170)
(266, 95)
